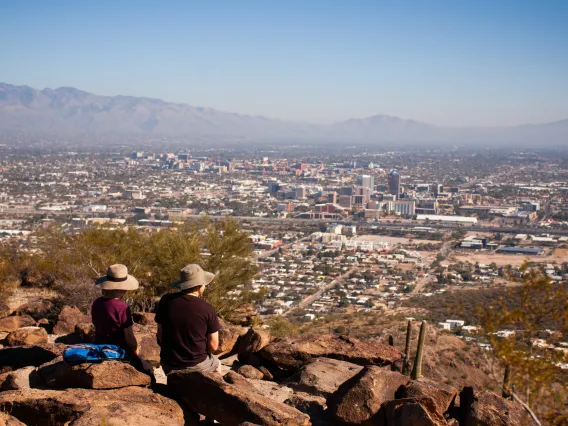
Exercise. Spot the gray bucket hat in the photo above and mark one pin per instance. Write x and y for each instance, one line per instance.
(192, 276)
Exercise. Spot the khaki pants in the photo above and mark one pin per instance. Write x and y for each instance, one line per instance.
(211, 363)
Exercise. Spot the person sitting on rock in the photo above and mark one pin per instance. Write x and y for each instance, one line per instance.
(112, 317)
(188, 327)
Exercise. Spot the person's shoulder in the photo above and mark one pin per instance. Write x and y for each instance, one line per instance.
(98, 301)
(119, 303)
(209, 307)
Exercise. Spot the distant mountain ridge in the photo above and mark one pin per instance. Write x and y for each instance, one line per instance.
(69, 111)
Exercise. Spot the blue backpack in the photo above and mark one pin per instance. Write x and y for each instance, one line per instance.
(91, 353)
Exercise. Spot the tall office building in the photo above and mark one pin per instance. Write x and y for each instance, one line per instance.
(394, 183)
(368, 181)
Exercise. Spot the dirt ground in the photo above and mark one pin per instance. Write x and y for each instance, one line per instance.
(485, 258)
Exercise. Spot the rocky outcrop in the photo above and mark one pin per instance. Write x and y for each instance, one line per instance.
(442, 395)
(31, 355)
(68, 318)
(291, 354)
(27, 336)
(149, 348)
(484, 408)
(126, 406)
(7, 420)
(14, 322)
(359, 399)
(323, 376)
(144, 318)
(232, 404)
(411, 412)
(229, 335)
(253, 341)
(23, 378)
(250, 372)
(106, 375)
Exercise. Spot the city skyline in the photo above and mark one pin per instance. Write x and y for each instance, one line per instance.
(444, 63)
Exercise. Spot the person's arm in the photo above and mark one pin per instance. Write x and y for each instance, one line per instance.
(131, 340)
(159, 335)
(213, 342)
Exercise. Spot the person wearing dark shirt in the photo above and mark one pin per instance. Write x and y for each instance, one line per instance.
(188, 327)
(112, 317)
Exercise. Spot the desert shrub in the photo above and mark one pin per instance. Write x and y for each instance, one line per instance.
(281, 327)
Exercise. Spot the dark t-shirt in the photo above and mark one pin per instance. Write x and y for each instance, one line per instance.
(186, 321)
(111, 317)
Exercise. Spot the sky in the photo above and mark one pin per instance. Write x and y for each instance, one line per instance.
(445, 62)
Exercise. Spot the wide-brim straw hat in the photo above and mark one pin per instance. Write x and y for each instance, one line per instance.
(117, 278)
(192, 276)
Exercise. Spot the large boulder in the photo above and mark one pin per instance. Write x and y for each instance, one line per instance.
(39, 308)
(7, 420)
(27, 336)
(148, 343)
(411, 412)
(12, 323)
(231, 404)
(312, 405)
(23, 378)
(441, 394)
(250, 372)
(291, 354)
(31, 355)
(360, 398)
(323, 376)
(127, 406)
(484, 408)
(105, 375)
(253, 341)
(68, 318)
(228, 337)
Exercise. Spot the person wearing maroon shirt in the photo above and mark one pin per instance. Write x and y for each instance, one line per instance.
(112, 317)
(188, 327)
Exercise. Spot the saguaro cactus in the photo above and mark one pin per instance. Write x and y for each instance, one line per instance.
(506, 393)
(417, 369)
(406, 361)
(391, 340)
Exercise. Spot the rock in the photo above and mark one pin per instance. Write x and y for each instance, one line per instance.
(243, 315)
(4, 310)
(231, 404)
(235, 378)
(32, 355)
(14, 322)
(359, 399)
(267, 374)
(291, 354)
(441, 394)
(253, 341)
(7, 420)
(39, 308)
(144, 318)
(106, 375)
(411, 411)
(271, 390)
(127, 406)
(250, 372)
(23, 378)
(45, 324)
(27, 336)
(68, 318)
(484, 408)
(312, 405)
(323, 376)
(228, 336)
(148, 343)
(86, 331)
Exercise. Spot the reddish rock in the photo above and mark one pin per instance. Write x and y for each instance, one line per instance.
(253, 341)
(68, 318)
(441, 394)
(32, 355)
(228, 337)
(323, 376)
(23, 378)
(291, 354)
(40, 308)
(106, 375)
(411, 412)
(120, 407)
(7, 420)
(360, 398)
(12, 323)
(250, 372)
(147, 341)
(267, 374)
(85, 331)
(484, 408)
(312, 405)
(144, 318)
(230, 404)
(27, 336)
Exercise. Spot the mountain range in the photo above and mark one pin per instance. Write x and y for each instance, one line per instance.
(69, 111)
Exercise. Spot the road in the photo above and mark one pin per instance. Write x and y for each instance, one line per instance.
(269, 253)
(312, 298)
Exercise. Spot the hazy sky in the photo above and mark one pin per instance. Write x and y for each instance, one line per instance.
(454, 62)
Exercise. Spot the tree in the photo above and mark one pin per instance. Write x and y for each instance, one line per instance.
(537, 304)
